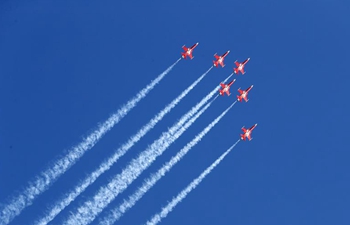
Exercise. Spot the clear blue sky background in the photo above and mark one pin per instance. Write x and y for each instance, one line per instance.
(66, 66)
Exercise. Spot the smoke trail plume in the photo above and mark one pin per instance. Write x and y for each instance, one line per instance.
(42, 182)
(107, 164)
(171, 205)
(87, 212)
(116, 213)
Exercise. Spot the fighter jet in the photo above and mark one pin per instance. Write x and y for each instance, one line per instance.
(188, 51)
(220, 59)
(247, 133)
(243, 94)
(240, 66)
(226, 88)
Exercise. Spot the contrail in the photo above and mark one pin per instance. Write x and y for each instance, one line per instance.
(106, 165)
(87, 212)
(90, 209)
(167, 209)
(41, 182)
(116, 213)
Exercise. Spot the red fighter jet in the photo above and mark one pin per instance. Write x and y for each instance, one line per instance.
(226, 88)
(188, 51)
(240, 66)
(243, 94)
(220, 59)
(247, 133)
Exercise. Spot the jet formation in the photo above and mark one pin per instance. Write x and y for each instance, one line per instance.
(225, 88)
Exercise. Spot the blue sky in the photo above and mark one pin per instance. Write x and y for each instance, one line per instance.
(66, 66)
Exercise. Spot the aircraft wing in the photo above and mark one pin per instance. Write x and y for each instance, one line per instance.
(216, 56)
(228, 92)
(244, 130)
(184, 48)
(237, 64)
(245, 98)
(240, 91)
(222, 85)
(249, 137)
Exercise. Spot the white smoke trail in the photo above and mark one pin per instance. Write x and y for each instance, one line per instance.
(171, 205)
(87, 212)
(90, 209)
(55, 169)
(106, 165)
(116, 213)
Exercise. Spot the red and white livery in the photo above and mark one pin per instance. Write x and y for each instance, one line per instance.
(243, 94)
(188, 51)
(226, 88)
(220, 59)
(240, 66)
(247, 132)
